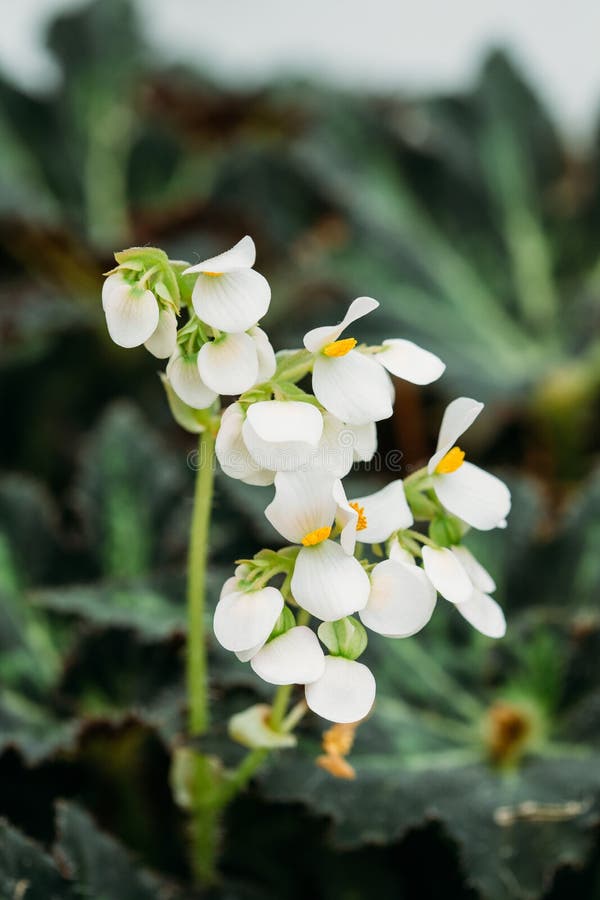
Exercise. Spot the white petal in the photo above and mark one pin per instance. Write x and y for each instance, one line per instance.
(185, 380)
(241, 256)
(344, 693)
(266, 355)
(480, 499)
(346, 517)
(244, 619)
(232, 302)
(401, 601)
(131, 314)
(365, 441)
(318, 338)
(447, 574)
(229, 365)
(484, 614)
(409, 361)
(163, 342)
(246, 655)
(232, 453)
(386, 511)
(352, 387)
(112, 284)
(303, 502)
(328, 583)
(399, 554)
(459, 415)
(334, 452)
(292, 658)
(480, 577)
(282, 435)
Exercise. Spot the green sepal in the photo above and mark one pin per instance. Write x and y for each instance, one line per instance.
(285, 621)
(345, 637)
(147, 256)
(445, 531)
(287, 390)
(292, 365)
(251, 728)
(421, 506)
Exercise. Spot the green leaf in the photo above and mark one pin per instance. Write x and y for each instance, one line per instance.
(26, 871)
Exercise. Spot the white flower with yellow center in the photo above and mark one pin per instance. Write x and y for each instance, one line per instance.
(354, 386)
(402, 599)
(327, 581)
(478, 498)
(184, 377)
(345, 692)
(380, 514)
(229, 295)
(134, 317)
(461, 579)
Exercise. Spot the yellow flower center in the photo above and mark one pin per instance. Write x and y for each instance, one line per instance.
(452, 461)
(339, 348)
(316, 537)
(362, 519)
(337, 743)
(213, 274)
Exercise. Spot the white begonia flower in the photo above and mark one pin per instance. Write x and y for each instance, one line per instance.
(460, 578)
(243, 620)
(344, 693)
(132, 313)
(401, 601)
(327, 582)
(229, 364)
(342, 444)
(229, 295)
(163, 342)
(478, 498)
(349, 384)
(409, 361)
(282, 435)
(232, 453)
(382, 513)
(184, 378)
(294, 657)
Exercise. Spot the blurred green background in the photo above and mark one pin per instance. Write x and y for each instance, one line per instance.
(476, 225)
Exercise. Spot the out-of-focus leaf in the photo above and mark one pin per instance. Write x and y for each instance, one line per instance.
(27, 871)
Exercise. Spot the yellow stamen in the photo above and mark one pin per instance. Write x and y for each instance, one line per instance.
(336, 766)
(213, 274)
(339, 348)
(337, 743)
(452, 461)
(316, 537)
(362, 519)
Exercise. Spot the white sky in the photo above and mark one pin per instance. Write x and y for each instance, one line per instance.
(412, 44)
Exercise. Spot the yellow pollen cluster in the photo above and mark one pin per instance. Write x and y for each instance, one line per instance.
(213, 274)
(452, 461)
(337, 743)
(339, 348)
(362, 519)
(316, 537)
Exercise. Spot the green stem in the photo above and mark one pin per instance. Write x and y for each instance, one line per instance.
(240, 777)
(197, 686)
(280, 705)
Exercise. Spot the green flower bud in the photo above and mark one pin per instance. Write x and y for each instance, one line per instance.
(346, 637)
(445, 531)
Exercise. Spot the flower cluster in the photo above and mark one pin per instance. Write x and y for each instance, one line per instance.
(350, 564)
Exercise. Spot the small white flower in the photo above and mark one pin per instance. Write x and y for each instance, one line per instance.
(401, 601)
(132, 313)
(475, 496)
(229, 364)
(382, 513)
(229, 295)
(282, 435)
(344, 693)
(184, 378)
(232, 453)
(243, 620)
(265, 353)
(460, 578)
(349, 384)
(409, 361)
(327, 582)
(294, 657)
(341, 445)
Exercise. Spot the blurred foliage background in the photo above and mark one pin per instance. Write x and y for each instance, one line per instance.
(477, 229)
